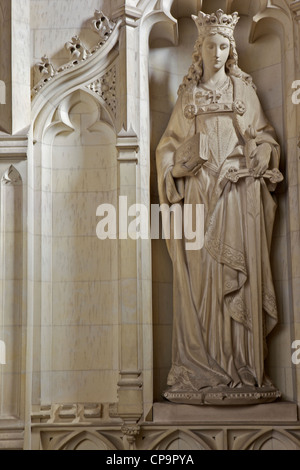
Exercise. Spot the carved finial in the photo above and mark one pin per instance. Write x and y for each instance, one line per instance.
(77, 49)
(102, 25)
(216, 22)
(45, 69)
(11, 176)
(131, 431)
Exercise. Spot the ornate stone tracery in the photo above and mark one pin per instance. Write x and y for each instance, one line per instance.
(105, 87)
(163, 438)
(46, 71)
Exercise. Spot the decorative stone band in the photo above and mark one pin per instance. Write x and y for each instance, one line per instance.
(131, 431)
(46, 71)
(224, 253)
(238, 107)
(225, 396)
(234, 175)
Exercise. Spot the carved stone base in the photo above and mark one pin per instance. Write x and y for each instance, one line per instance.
(224, 396)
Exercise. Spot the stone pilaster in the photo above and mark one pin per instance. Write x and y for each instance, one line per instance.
(15, 66)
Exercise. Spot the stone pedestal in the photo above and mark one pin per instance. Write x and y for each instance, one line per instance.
(281, 412)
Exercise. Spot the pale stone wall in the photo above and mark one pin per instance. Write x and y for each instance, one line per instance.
(167, 66)
(53, 23)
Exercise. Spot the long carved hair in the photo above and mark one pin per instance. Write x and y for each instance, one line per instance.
(195, 72)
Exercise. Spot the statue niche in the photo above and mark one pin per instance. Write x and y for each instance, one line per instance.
(224, 299)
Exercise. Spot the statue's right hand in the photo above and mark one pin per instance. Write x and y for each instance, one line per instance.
(180, 170)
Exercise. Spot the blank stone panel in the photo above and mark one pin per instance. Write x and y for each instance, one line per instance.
(83, 348)
(79, 294)
(72, 303)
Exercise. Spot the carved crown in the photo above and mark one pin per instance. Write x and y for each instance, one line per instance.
(216, 22)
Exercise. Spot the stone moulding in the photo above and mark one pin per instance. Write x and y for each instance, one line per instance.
(46, 71)
(76, 413)
(242, 396)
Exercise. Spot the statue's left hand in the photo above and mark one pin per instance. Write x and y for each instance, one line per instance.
(260, 159)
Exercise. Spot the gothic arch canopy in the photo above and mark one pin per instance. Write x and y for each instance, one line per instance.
(94, 72)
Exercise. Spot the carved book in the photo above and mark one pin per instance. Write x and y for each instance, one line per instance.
(193, 152)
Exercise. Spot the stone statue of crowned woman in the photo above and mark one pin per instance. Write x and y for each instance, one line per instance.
(219, 150)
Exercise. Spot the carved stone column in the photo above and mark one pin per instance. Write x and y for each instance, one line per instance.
(11, 283)
(130, 405)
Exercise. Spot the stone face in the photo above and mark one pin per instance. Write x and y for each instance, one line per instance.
(87, 323)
